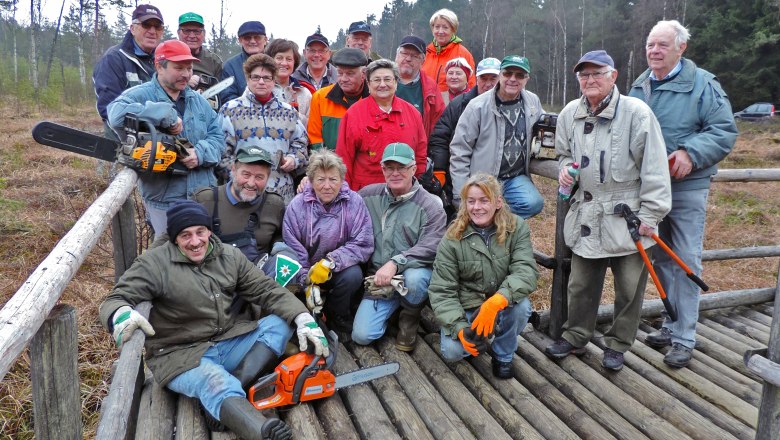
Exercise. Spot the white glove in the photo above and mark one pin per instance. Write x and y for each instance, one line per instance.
(314, 298)
(126, 321)
(309, 331)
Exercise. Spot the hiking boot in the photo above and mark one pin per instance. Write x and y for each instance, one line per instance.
(408, 322)
(660, 338)
(679, 356)
(502, 370)
(613, 360)
(562, 348)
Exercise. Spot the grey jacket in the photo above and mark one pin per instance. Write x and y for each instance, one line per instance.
(478, 142)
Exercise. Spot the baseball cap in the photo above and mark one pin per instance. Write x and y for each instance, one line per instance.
(398, 152)
(349, 57)
(251, 27)
(316, 38)
(173, 50)
(597, 57)
(147, 12)
(489, 65)
(252, 155)
(516, 61)
(359, 26)
(413, 41)
(190, 17)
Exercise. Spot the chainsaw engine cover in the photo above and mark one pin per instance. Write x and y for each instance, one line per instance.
(145, 149)
(299, 378)
(543, 144)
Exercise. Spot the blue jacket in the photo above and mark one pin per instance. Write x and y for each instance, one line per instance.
(234, 67)
(202, 127)
(118, 70)
(695, 114)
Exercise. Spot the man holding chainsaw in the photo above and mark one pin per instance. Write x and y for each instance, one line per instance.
(170, 105)
(197, 344)
(619, 147)
(699, 131)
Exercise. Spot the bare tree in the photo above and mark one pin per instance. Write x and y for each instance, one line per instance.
(488, 15)
(34, 17)
(53, 46)
(80, 32)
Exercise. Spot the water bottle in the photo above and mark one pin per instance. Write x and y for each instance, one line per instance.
(565, 191)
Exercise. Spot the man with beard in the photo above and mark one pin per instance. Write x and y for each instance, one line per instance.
(416, 87)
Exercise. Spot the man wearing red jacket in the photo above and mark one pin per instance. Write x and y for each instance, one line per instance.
(416, 87)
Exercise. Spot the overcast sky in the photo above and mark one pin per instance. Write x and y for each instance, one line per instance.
(294, 20)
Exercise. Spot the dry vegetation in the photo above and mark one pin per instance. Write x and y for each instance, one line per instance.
(43, 192)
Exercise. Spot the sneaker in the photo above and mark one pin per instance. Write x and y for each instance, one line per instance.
(679, 356)
(502, 370)
(562, 348)
(660, 338)
(613, 360)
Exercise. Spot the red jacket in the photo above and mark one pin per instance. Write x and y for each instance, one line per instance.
(366, 130)
(433, 104)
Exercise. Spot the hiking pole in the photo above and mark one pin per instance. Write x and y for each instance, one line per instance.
(680, 262)
(633, 222)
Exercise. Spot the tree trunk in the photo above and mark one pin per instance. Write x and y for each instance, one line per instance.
(33, 49)
(16, 58)
(82, 61)
(95, 48)
(53, 46)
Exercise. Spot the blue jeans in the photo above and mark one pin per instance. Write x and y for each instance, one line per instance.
(211, 381)
(509, 323)
(683, 231)
(522, 196)
(372, 315)
(158, 218)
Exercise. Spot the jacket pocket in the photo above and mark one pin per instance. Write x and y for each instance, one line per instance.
(623, 167)
(615, 238)
(571, 225)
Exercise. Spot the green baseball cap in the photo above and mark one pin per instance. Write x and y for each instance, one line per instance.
(398, 152)
(516, 61)
(190, 17)
(253, 155)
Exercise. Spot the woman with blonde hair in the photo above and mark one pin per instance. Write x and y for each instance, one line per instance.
(444, 47)
(482, 276)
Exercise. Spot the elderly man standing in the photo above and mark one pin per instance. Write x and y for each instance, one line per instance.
(208, 69)
(414, 86)
(618, 144)
(359, 37)
(251, 37)
(493, 136)
(408, 224)
(329, 104)
(130, 62)
(315, 73)
(699, 131)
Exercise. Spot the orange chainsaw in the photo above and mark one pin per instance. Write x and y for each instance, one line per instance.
(305, 376)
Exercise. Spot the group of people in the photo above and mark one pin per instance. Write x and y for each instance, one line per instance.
(370, 187)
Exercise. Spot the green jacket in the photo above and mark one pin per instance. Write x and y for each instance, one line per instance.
(191, 303)
(467, 271)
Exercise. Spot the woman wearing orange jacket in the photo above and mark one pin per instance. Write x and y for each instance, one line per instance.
(444, 47)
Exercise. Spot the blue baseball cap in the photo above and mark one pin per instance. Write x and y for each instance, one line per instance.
(251, 27)
(598, 57)
(359, 26)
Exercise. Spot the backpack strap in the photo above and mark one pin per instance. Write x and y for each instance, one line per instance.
(216, 223)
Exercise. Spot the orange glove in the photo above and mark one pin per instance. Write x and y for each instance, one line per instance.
(441, 176)
(486, 318)
(472, 343)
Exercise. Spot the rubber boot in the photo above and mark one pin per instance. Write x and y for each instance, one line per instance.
(249, 423)
(258, 360)
(408, 322)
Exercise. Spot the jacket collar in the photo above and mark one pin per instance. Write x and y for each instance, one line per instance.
(337, 95)
(607, 113)
(682, 83)
(404, 197)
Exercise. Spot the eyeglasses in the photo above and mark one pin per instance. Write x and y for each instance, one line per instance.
(397, 169)
(595, 75)
(386, 80)
(508, 74)
(408, 55)
(147, 25)
(191, 31)
(252, 37)
(317, 51)
(257, 78)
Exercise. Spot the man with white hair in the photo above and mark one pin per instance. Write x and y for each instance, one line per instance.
(699, 131)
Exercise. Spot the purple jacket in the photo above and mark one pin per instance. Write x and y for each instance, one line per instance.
(342, 231)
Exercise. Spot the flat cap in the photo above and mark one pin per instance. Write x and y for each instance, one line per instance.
(350, 57)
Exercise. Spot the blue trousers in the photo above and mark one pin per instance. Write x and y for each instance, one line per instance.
(522, 196)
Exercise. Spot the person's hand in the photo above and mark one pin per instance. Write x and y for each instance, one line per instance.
(125, 321)
(472, 343)
(313, 298)
(385, 273)
(646, 230)
(320, 272)
(681, 164)
(176, 128)
(191, 161)
(194, 81)
(486, 318)
(288, 164)
(309, 331)
(564, 178)
(303, 183)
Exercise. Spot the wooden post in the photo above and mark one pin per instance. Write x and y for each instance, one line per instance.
(124, 238)
(55, 376)
(769, 410)
(558, 304)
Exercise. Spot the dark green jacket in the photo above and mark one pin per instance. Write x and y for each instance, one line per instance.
(466, 272)
(191, 303)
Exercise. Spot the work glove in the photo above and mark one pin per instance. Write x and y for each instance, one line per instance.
(486, 317)
(309, 331)
(385, 292)
(181, 145)
(472, 343)
(126, 320)
(314, 298)
(320, 272)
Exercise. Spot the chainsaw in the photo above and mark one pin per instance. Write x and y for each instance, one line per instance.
(543, 143)
(304, 376)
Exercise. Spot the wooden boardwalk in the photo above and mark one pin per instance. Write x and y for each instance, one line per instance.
(716, 397)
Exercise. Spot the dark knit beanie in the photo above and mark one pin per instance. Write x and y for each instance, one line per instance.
(181, 215)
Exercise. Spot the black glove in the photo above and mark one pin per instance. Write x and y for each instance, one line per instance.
(473, 343)
(181, 144)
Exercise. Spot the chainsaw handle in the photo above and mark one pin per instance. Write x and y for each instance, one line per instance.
(267, 381)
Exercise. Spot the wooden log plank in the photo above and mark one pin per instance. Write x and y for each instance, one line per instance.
(156, 413)
(225, 435)
(334, 418)
(519, 416)
(189, 422)
(747, 175)
(371, 420)
(756, 316)
(401, 411)
(741, 327)
(481, 423)
(743, 315)
(578, 393)
(55, 376)
(766, 309)
(123, 237)
(440, 419)
(603, 384)
(738, 343)
(23, 314)
(712, 392)
(727, 357)
(305, 422)
(768, 370)
(745, 252)
(769, 411)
